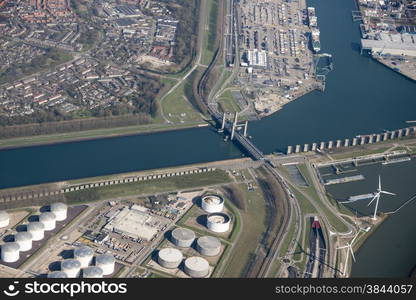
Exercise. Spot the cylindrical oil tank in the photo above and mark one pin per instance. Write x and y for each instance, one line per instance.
(183, 237)
(218, 222)
(48, 219)
(57, 274)
(60, 210)
(106, 262)
(92, 272)
(170, 258)
(212, 203)
(71, 267)
(24, 239)
(37, 229)
(196, 266)
(85, 255)
(4, 219)
(10, 252)
(208, 245)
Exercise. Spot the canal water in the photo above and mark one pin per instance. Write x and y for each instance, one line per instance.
(391, 250)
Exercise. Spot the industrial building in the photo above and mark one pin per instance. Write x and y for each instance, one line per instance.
(212, 203)
(132, 222)
(391, 44)
(183, 237)
(257, 58)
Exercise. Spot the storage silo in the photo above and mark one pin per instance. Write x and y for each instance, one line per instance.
(48, 219)
(218, 222)
(92, 272)
(24, 239)
(85, 255)
(4, 219)
(196, 267)
(10, 252)
(208, 245)
(37, 229)
(170, 258)
(57, 274)
(183, 237)
(71, 267)
(60, 210)
(106, 262)
(212, 203)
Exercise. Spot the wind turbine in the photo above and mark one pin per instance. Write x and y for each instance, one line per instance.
(377, 197)
(349, 250)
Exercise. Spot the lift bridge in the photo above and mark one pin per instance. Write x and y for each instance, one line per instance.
(230, 128)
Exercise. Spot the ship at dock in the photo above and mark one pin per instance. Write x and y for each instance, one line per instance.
(315, 33)
(316, 43)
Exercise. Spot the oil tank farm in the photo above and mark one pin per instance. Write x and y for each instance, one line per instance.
(183, 237)
(84, 255)
(48, 219)
(60, 210)
(57, 274)
(10, 252)
(196, 267)
(106, 262)
(218, 222)
(71, 267)
(37, 229)
(212, 203)
(4, 219)
(92, 272)
(208, 246)
(24, 239)
(170, 258)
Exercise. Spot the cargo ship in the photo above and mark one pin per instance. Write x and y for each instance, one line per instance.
(312, 19)
(316, 43)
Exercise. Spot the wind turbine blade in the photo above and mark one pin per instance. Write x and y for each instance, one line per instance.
(379, 183)
(377, 195)
(388, 193)
(352, 242)
(343, 247)
(352, 254)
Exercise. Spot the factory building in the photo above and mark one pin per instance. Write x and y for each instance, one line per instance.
(4, 219)
(170, 258)
(183, 237)
(212, 203)
(391, 44)
(218, 222)
(196, 267)
(133, 223)
(257, 58)
(208, 246)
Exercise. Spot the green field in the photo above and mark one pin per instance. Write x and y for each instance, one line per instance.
(227, 102)
(210, 32)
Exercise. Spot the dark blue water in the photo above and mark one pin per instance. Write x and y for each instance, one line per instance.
(361, 96)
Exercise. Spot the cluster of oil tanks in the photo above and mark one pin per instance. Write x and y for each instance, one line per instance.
(195, 266)
(82, 264)
(216, 220)
(35, 231)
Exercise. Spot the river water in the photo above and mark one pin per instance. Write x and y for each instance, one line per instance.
(361, 96)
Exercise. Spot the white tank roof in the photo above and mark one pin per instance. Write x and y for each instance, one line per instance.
(10, 247)
(209, 242)
(59, 206)
(83, 251)
(47, 216)
(170, 255)
(4, 216)
(23, 236)
(57, 274)
(219, 218)
(70, 264)
(212, 199)
(183, 234)
(196, 263)
(105, 259)
(35, 226)
(91, 272)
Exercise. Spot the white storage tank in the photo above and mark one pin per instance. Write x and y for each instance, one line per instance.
(4, 219)
(106, 262)
(183, 237)
(92, 272)
(37, 229)
(48, 219)
(170, 258)
(24, 239)
(60, 210)
(71, 267)
(10, 252)
(196, 267)
(218, 222)
(84, 255)
(212, 203)
(57, 274)
(208, 246)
